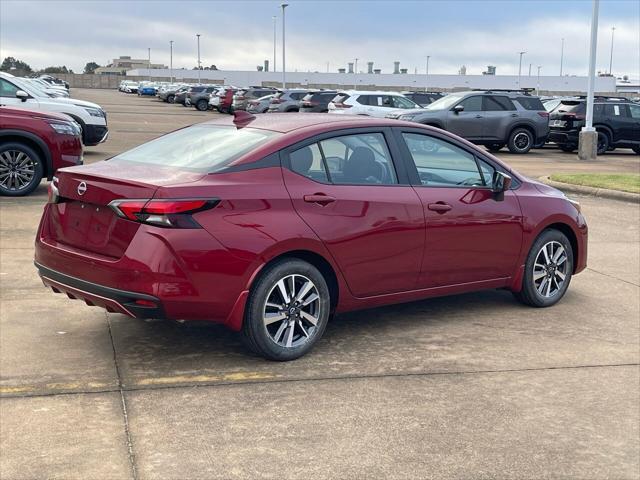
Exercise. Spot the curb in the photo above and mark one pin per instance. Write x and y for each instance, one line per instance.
(595, 192)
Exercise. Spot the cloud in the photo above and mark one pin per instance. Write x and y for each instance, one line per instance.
(75, 33)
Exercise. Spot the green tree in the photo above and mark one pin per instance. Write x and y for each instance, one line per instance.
(53, 69)
(13, 64)
(91, 67)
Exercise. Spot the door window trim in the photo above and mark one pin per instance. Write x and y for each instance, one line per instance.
(397, 161)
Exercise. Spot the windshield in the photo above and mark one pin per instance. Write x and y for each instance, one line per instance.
(444, 103)
(31, 88)
(200, 148)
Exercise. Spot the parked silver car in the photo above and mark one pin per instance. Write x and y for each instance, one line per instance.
(287, 100)
(492, 118)
(260, 105)
(243, 96)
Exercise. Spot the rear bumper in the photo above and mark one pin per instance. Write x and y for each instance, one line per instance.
(114, 300)
(563, 137)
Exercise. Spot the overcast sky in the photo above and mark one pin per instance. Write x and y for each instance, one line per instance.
(238, 35)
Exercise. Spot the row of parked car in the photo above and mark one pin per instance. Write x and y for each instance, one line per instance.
(515, 119)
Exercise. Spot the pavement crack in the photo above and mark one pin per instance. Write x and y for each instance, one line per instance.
(613, 276)
(123, 401)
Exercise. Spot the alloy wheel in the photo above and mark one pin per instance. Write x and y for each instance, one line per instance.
(550, 269)
(292, 311)
(521, 141)
(17, 170)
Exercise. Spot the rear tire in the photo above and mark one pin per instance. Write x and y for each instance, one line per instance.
(21, 169)
(567, 148)
(202, 105)
(603, 143)
(547, 275)
(287, 310)
(520, 141)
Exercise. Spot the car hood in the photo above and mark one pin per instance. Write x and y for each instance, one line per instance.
(27, 112)
(75, 101)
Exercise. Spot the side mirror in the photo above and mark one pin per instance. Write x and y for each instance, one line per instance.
(458, 108)
(501, 182)
(22, 95)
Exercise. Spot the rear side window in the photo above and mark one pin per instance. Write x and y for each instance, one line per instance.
(308, 161)
(196, 89)
(363, 99)
(615, 110)
(200, 148)
(361, 159)
(492, 103)
(530, 103)
(297, 95)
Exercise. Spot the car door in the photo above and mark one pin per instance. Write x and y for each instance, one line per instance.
(472, 234)
(468, 122)
(346, 187)
(634, 114)
(496, 109)
(621, 122)
(8, 96)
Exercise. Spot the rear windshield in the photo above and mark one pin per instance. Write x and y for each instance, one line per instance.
(530, 103)
(570, 106)
(341, 97)
(200, 148)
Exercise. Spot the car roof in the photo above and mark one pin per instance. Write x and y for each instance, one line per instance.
(369, 92)
(289, 122)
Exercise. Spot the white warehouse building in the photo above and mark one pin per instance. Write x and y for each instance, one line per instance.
(365, 81)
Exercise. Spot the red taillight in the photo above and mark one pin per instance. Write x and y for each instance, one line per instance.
(342, 105)
(276, 101)
(544, 114)
(145, 303)
(310, 104)
(163, 213)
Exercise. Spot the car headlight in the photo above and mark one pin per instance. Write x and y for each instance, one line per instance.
(65, 128)
(94, 112)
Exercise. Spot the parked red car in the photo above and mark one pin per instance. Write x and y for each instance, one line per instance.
(33, 145)
(272, 224)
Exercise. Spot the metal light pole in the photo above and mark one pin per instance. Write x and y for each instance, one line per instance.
(561, 55)
(275, 19)
(284, 70)
(198, 35)
(538, 82)
(588, 139)
(529, 69)
(149, 64)
(520, 68)
(613, 29)
(171, 59)
(426, 78)
(355, 75)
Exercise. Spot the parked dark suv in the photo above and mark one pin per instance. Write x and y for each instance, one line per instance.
(617, 121)
(317, 102)
(423, 98)
(491, 118)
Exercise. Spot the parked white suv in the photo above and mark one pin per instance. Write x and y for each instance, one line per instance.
(17, 92)
(372, 104)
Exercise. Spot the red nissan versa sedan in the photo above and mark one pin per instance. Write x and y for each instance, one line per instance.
(33, 145)
(270, 225)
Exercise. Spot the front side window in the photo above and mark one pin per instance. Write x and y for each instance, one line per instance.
(472, 104)
(7, 89)
(200, 148)
(441, 164)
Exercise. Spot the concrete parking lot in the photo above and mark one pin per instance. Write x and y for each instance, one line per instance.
(471, 386)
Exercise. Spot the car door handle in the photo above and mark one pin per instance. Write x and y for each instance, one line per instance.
(319, 198)
(478, 116)
(515, 115)
(439, 207)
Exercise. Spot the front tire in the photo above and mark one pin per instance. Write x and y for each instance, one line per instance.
(21, 169)
(287, 310)
(603, 143)
(547, 271)
(202, 105)
(171, 99)
(567, 147)
(520, 141)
